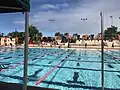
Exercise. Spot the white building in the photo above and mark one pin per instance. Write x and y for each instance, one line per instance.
(7, 41)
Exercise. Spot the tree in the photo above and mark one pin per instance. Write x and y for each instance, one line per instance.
(110, 33)
(21, 37)
(34, 34)
(49, 39)
(118, 32)
(40, 34)
(57, 34)
(78, 37)
(92, 36)
(64, 39)
(13, 34)
(1, 34)
(66, 34)
(75, 35)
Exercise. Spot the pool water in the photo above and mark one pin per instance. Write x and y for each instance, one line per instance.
(83, 65)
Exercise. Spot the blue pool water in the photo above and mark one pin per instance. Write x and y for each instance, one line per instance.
(86, 63)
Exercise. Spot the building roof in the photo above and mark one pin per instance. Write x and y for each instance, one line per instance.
(9, 6)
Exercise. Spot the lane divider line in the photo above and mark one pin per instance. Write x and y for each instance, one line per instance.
(48, 73)
(12, 67)
(111, 56)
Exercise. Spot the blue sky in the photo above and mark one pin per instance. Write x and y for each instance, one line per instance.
(66, 14)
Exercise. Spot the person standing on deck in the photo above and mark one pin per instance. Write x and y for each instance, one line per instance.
(85, 45)
(113, 44)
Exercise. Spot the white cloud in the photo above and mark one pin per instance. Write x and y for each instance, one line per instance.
(63, 5)
(48, 6)
(18, 22)
(69, 20)
(53, 6)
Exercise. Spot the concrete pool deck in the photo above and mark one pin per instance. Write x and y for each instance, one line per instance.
(71, 47)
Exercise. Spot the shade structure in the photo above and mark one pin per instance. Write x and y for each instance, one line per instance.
(10, 6)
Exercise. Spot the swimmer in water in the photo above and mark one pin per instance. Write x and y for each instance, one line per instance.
(78, 64)
(75, 77)
(98, 55)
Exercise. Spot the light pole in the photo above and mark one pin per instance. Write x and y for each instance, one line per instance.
(84, 19)
(111, 17)
(52, 21)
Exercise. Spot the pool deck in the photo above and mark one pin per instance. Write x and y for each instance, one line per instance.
(63, 46)
(74, 47)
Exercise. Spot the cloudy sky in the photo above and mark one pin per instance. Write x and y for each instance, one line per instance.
(65, 15)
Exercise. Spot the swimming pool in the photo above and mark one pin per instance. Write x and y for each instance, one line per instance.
(57, 68)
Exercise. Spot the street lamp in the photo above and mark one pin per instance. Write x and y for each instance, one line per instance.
(84, 19)
(111, 17)
(52, 21)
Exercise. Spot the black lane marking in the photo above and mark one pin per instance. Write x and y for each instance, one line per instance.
(34, 59)
(3, 67)
(7, 57)
(50, 62)
(20, 55)
(1, 54)
(62, 60)
(36, 72)
(10, 52)
(78, 82)
(110, 66)
(118, 76)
